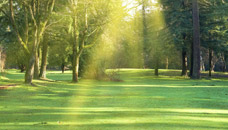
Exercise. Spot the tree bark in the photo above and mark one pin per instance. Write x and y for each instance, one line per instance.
(63, 67)
(145, 35)
(22, 67)
(196, 40)
(43, 67)
(37, 66)
(184, 63)
(225, 59)
(202, 67)
(30, 68)
(191, 61)
(156, 66)
(224, 63)
(167, 63)
(75, 69)
(31, 62)
(210, 62)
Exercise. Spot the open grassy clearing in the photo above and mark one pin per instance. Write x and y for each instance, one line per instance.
(141, 101)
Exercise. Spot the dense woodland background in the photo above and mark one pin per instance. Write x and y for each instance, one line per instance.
(90, 36)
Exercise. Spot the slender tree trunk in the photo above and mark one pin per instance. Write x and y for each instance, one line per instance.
(36, 66)
(184, 63)
(22, 67)
(156, 66)
(76, 49)
(196, 40)
(224, 63)
(202, 67)
(145, 34)
(75, 69)
(210, 62)
(43, 67)
(156, 71)
(224, 67)
(225, 59)
(63, 67)
(167, 63)
(191, 61)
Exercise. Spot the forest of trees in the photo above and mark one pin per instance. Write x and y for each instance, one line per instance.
(89, 36)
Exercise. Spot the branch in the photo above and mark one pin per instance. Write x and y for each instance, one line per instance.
(85, 36)
(32, 15)
(1, 10)
(43, 27)
(49, 8)
(92, 32)
(54, 23)
(92, 44)
(12, 19)
(89, 46)
(26, 26)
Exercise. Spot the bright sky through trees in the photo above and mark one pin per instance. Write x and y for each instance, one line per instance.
(133, 5)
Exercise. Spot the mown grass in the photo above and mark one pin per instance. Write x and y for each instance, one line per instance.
(141, 101)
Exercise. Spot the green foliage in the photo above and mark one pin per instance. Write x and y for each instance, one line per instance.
(16, 58)
(178, 17)
(59, 53)
(214, 25)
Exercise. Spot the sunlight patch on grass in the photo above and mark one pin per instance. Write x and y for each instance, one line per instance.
(124, 109)
(169, 86)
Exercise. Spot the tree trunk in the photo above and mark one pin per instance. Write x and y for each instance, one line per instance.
(145, 35)
(224, 63)
(191, 61)
(30, 68)
(225, 59)
(202, 66)
(22, 67)
(75, 69)
(156, 66)
(31, 61)
(63, 67)
(43, 67)
(210, 62)
(76, 49)
(196, 40)
(167, 63)
(37, 65)
(156, 71)
(184, 63)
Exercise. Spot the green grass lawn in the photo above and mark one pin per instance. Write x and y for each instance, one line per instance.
(141, 101)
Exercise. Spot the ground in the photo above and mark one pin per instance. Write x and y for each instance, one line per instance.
(141, 101)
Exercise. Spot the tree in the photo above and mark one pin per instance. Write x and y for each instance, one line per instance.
(36, 16)
(43, 66)
(196, 40)
(4, 34)
(145, 36)
(213, 30)
(178, 18)
(59, 49)
(87, 17)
